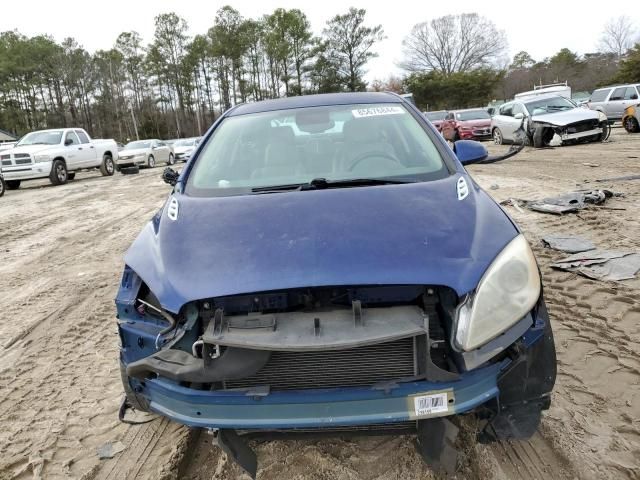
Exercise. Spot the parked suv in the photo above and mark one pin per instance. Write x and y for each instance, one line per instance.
(613, 101)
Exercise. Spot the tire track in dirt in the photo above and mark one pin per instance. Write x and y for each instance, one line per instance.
(59, 378)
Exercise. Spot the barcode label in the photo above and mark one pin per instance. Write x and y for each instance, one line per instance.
(377, 111)
(430, 404)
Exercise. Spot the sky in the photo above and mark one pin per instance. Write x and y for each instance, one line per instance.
(541, 31)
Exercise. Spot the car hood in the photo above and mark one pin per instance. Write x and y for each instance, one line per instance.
(484, 122)
(393, 234)
(34, 149)
(134, 151)
(567, 117)
(183, 149)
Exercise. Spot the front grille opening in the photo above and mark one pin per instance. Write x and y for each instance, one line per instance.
(355, 367)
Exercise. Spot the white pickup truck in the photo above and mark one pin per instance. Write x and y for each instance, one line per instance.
(56, 154)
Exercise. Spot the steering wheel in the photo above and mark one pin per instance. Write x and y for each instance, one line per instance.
(371, 154)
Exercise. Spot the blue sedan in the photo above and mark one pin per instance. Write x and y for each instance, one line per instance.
(325, 262)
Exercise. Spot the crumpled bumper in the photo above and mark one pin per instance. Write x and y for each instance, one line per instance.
(315, 408)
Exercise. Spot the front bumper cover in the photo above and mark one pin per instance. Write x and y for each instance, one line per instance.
(250, 410)
(523, 379)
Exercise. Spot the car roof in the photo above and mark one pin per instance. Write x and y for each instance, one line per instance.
(468, 110)
(319, 100)
(533, 98)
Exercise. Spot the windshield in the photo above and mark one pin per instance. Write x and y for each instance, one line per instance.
(435, 116)
(185, 143)
(473, 115)
(49, 137)
(290, 147)
(139, 144)
(549, 105)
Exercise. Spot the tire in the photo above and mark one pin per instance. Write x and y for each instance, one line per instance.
(12, 184)
(107, 167)
(541, 137)
(59, 174)
(497, 136)
(3, 186)
(631, 125)
(71, 175)
(172, 159)
(151, 161)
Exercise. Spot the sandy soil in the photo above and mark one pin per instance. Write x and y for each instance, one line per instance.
(61, 257)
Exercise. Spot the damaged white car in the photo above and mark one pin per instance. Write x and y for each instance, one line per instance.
(543, 117)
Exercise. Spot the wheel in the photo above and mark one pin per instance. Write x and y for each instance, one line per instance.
(12, 184)
(3, 187)
(59, 174)
(107, 167)
(631, 125)
(172, 159)
(542, 136)
(151, 162)
(497, 136)
(71, 175)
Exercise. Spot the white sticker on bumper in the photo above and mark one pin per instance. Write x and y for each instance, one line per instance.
(433, 404)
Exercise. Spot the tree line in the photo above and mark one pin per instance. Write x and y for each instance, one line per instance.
(177, 85)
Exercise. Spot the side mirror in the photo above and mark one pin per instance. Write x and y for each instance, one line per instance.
(519, 116)
(170, 176)
(470, 151)
(634, 97)
(68, 142)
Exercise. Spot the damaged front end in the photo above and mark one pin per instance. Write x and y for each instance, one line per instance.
(331, 359)
(542, 133)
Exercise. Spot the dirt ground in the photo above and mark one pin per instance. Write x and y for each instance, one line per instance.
(60, 263)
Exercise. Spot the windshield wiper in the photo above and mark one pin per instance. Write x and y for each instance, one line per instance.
(322, 183)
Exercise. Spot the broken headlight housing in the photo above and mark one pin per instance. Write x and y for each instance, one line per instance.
(508, 290)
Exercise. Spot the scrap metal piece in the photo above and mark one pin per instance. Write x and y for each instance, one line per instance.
(602, 264)
(237, 450)
(568, 202)
(110, 449)
(435, 443)
(568, 243)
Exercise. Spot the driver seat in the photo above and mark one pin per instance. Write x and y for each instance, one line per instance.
(362, 136)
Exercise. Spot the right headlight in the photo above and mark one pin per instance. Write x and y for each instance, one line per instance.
(508, 290)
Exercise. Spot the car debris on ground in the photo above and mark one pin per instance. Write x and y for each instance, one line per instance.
(568, 243)
(602, 264)
(565, 203)
(110, 450)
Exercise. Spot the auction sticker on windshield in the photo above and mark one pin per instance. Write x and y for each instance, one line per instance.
(376, 111)
(432, 405)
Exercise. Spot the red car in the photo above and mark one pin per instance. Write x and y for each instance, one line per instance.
(471, 124)
(436, 118)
